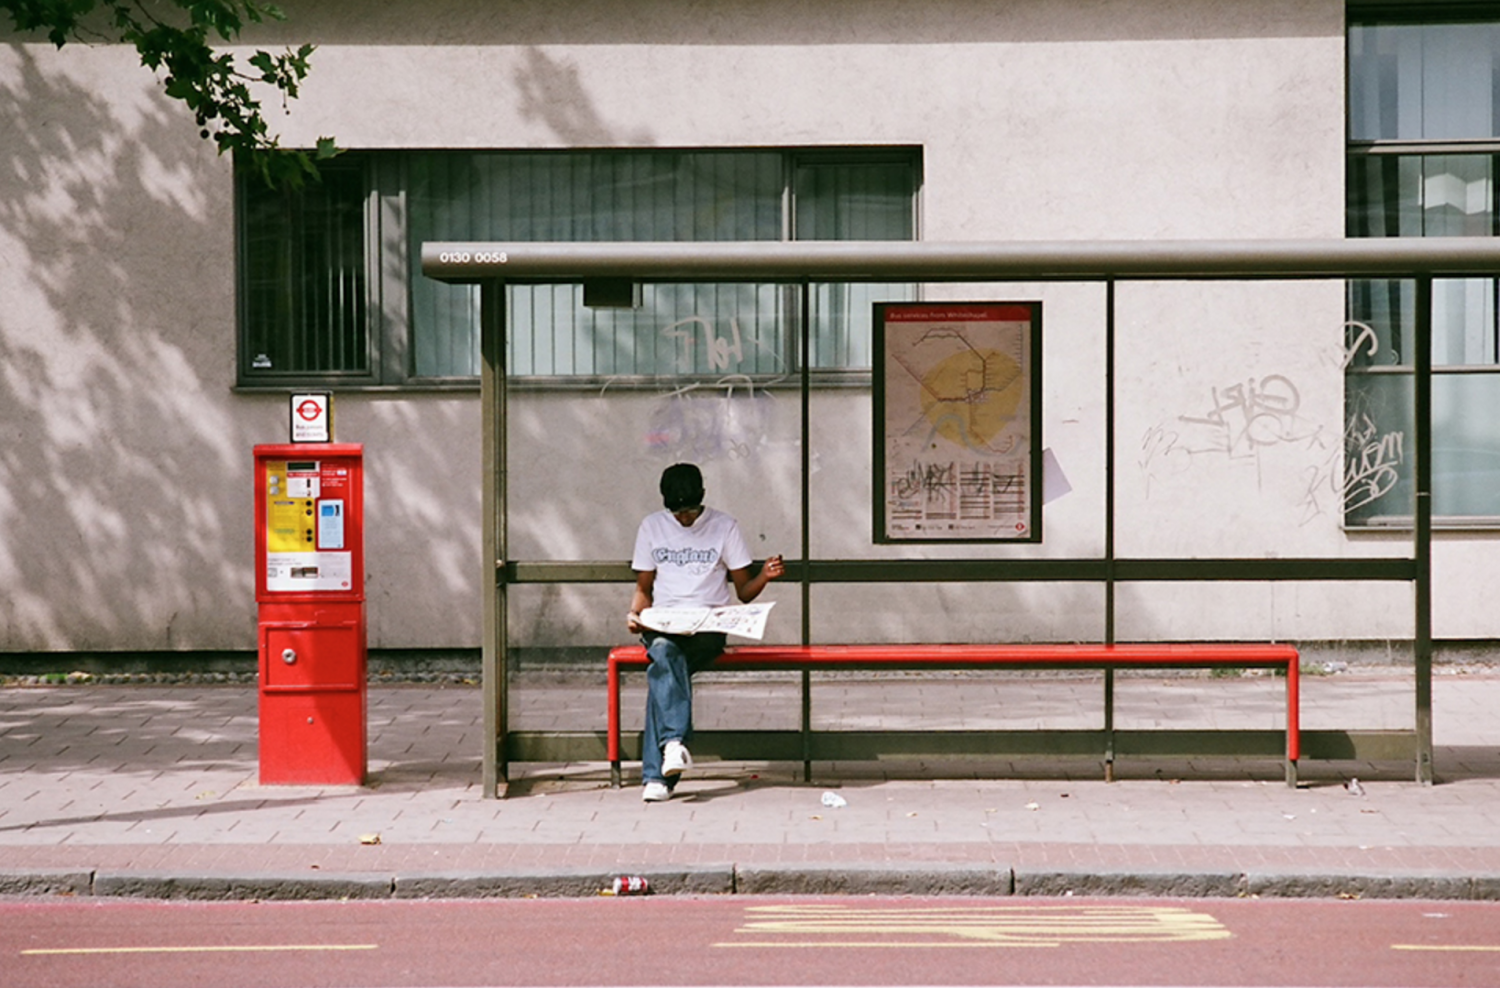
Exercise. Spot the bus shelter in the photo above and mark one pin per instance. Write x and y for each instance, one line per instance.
(611, 274)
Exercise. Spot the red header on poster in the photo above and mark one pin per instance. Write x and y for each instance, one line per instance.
(938, 312)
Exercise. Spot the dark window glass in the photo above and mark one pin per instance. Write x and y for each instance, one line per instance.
(302, 275)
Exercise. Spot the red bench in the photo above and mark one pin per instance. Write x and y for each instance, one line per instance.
(1207, 655)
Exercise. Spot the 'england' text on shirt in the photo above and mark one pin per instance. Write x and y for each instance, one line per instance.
(685, 557)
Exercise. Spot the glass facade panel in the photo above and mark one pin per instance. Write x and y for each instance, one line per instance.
(1458, 195)
(1415, 195)
(308, 261)
(1378, 434)
(1420, 81)
(1378, 454)
(1466, 446)
(1421, 195)
(1384, 196)
(840, 201)
(315, 259)
(678, 329)
(648, 196)
(591, 197)
(1432, 81)
(845, 201)
(1383, 316)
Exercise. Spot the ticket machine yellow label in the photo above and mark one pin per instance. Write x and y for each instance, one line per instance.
(291, 506)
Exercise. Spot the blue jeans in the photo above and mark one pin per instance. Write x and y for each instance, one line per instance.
(669, 693)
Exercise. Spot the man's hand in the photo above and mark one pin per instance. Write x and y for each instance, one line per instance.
(748, 587)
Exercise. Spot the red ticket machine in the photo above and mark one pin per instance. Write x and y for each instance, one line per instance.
(310, 589)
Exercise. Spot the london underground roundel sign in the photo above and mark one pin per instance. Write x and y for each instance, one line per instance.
(312, 418)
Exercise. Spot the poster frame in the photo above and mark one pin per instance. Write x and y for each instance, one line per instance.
(882, 332)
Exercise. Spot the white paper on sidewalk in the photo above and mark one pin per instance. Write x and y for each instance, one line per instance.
(742, 620)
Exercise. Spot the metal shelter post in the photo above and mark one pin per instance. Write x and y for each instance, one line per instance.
(495, 667)
(1422, 529)
(1109, 524)
(804, 349)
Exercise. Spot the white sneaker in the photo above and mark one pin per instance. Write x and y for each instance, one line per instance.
(675, 758)
(655, 792)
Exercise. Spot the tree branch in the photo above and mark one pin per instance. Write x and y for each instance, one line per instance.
(172, 39)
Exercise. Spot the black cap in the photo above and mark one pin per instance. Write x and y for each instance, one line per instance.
(681, 486)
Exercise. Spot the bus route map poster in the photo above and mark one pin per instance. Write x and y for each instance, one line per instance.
(958, 422)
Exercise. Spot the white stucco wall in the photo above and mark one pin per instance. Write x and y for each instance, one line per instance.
(125, 462)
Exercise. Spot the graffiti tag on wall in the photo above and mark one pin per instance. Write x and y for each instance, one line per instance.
(700, 423)
(1258, 422)
(1241, 421)
(722, 352)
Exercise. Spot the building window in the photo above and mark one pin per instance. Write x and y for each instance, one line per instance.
(1424, 137)
(334, 267)
(304, 294)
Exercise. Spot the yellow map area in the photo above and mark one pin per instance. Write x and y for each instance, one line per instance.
(970, 396)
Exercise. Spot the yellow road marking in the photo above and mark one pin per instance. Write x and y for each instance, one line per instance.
(1445, 946)
(877, 943)
(200, 950)
(809, 925)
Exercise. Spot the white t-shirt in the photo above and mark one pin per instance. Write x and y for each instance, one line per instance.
(691, 563)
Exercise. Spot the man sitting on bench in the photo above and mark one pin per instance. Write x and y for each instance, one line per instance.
(681, 556)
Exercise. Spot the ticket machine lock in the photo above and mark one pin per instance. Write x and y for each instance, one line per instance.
(288, 656)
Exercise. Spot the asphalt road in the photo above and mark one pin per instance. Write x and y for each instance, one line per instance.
(747, 940)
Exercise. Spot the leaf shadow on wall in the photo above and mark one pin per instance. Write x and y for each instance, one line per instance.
(549, 90)
(124, 480)
(125, 475)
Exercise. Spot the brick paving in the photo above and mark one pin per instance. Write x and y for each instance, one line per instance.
(153, 790)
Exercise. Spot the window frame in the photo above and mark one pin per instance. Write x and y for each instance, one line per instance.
(1365, 13)
(390, 270)
(249, 377)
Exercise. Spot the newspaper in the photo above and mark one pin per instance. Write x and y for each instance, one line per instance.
(742, 620)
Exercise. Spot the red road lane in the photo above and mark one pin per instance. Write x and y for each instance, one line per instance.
(743, 940)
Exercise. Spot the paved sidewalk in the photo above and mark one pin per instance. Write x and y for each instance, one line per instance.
(152, 790)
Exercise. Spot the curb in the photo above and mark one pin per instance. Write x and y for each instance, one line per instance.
(870, 879)
(1222, 885)
(49, 881)
(286, 886)
(821, 879)
(552, 884)
(1423, 885)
